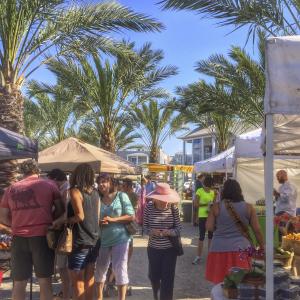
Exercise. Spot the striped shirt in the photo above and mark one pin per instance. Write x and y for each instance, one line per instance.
(161, 219)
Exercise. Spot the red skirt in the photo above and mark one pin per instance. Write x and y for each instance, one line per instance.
(219, 264)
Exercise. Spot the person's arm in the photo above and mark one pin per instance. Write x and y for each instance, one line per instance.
(211, 219)
(177, 225)
(5, 216)
(255, 226)
(76, 202)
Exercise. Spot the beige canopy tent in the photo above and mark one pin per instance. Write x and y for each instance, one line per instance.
(70, 152)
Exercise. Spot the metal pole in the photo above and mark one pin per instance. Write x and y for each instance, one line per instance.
(269, 208)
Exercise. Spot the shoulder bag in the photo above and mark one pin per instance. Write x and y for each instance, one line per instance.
(243, 228)
(131, 227)
(176, 240)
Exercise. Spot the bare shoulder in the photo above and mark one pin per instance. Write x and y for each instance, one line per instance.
(75, 193)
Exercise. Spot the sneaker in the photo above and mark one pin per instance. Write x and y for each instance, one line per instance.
(196, 261)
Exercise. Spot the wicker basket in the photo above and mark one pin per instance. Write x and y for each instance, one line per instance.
(230, 293)
(286, 261)
(287, 244)
(296, 247)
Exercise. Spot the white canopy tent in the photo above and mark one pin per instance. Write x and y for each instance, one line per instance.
(249, 164)
(282, 133)
(221, 162)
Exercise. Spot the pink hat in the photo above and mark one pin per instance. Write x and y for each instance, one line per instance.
(163, 192)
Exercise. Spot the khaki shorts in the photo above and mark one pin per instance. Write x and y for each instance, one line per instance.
(61, 261)
(28, 252)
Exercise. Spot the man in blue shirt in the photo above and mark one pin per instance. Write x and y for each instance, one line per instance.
(150, 185)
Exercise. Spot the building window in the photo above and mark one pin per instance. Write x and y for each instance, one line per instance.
(197, 150)
(207, 147)
(142, 160)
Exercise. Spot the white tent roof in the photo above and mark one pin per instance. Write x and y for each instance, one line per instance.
(248, 144)
(221, 162)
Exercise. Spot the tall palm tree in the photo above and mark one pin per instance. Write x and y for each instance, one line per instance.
(51, 112)
(276, 17)
(32, 32)
(106, 90)
(194, 107)
(154, 124)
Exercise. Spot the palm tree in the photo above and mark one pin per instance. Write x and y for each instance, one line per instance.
(106, 90)
(205, 113)
(32, 32)
(276, 17)
(237, 89)
(51, 112)
(154, 124)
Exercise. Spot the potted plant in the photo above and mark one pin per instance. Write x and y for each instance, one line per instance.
(255, 276)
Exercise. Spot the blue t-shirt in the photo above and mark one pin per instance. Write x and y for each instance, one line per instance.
(115, 233)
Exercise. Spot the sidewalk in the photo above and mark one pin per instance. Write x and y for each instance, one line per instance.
(189, 281)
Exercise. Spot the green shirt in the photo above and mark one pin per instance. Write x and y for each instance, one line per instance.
(204, 198)
(115, 233)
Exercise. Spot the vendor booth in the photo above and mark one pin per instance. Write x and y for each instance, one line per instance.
(16, 146)
(67, 154)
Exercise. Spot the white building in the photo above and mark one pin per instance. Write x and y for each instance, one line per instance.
(203, 144)
(142, 156)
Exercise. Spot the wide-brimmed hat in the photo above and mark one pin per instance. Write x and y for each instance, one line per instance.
(164, 193)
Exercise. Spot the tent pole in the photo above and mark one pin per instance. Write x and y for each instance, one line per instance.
(269, 207)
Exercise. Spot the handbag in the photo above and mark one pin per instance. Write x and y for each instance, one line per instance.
(176, 240)
(65, 241)
(131, 227)
(52, 237)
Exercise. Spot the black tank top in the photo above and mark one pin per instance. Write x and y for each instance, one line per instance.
(86, 233)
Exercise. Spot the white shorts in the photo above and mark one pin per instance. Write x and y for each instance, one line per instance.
(118, 256)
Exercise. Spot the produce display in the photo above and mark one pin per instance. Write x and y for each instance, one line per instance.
(293, 236)
(5, 242)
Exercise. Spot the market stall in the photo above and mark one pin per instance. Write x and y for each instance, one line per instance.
(70, 152)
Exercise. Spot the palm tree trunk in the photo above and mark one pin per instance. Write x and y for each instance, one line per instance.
(11, 117)
(107, 140)
(154, 154)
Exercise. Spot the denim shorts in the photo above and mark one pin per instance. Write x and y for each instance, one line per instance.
(81, 257)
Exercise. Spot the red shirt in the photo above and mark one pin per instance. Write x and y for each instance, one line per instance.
(30, 202)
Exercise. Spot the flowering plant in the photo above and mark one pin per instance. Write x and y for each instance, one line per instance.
(249, 254)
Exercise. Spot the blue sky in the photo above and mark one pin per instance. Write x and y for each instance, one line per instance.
(187, 39)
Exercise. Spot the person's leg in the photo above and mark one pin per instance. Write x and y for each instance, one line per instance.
(202, 230)
(43, 263)
(21, 266)
(77, 279)
(46, 292)
(168, 274)
(102, 265)
(65, 283)
(89, 281)
(19, 290)
(119, 258)
(155, 269)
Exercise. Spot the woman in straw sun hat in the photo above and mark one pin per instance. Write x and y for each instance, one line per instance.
(161, 221)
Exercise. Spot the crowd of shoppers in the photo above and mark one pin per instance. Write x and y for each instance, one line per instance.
(99, 211)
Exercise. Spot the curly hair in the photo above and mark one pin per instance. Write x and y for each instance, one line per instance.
(83, 178)
(232, 191)
(208, 181)
(107, 177)
(29, 167)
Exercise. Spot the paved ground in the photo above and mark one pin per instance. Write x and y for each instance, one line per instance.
(189, 281)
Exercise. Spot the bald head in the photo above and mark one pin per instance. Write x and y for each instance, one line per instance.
(282, 176)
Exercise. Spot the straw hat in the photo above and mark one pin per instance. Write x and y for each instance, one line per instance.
(164, 193)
